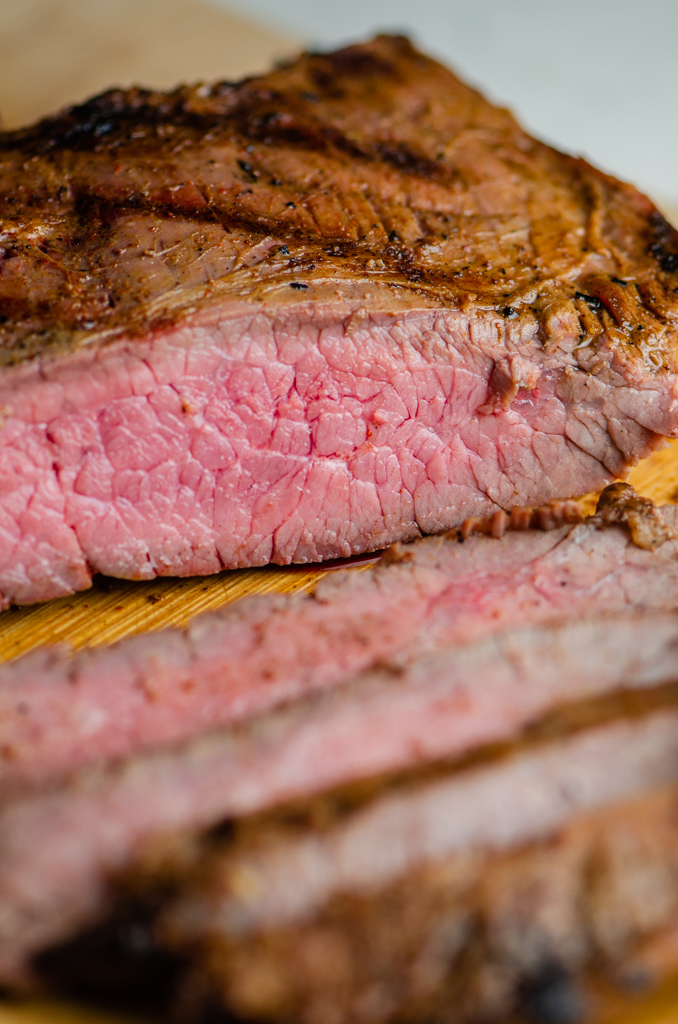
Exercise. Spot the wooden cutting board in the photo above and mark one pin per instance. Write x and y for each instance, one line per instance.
(53, 53)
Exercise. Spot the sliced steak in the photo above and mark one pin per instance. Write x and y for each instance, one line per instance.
(307, 315)
(61, 712)
(452, 901)
(60, 847)
(492, 808)
(455, 661)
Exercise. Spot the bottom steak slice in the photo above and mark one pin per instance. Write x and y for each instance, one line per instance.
(449, 897)
(61, 849)
(451, 901)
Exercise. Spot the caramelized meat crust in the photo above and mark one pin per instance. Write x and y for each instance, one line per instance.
(371, 165)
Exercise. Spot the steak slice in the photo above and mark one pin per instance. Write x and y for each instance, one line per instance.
(451, 901)
(309, 314)
(449, 893)
(453, 657)
(62, 846)
(59, 712)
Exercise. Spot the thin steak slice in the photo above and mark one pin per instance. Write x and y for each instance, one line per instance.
(60, 847)
(60, 712)
(368, 881)
(469, 672)
(448, 900)
(309, 314)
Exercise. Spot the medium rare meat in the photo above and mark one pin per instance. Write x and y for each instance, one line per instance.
(465, 679)
(307, 315)
(59, 712)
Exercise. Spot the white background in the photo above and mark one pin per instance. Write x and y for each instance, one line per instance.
(597, 77)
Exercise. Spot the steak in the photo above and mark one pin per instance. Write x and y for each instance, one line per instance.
(307, 315)
(484, 884)
(60, 712)
(484, 658)
(595, 809)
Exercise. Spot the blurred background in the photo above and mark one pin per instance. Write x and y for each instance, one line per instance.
(597, 77)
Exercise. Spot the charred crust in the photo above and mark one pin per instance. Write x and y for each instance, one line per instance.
(591, 301)
(355, 61)
(117, 962)
(551, 995)
(664, 247)
(407, 160)
(619, 504)
(550, 516)
(379, 195)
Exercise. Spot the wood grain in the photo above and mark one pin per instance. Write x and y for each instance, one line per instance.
(113, 609)
(54, 52)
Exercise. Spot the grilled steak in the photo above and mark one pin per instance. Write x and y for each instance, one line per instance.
(307, 315)
(476, 650)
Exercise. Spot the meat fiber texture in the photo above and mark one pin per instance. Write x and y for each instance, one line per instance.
(445, 648)
(307, 315)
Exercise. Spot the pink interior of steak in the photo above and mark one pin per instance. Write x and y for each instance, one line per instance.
(242, 441)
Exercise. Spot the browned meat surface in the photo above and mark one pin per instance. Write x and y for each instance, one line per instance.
(373, 165)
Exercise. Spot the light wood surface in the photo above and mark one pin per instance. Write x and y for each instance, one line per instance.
(54, 52)
(65, 1013)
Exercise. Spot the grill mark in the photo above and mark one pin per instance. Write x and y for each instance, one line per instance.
(255, 118)
(106, 122)
(664, 247)
(352, 62)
